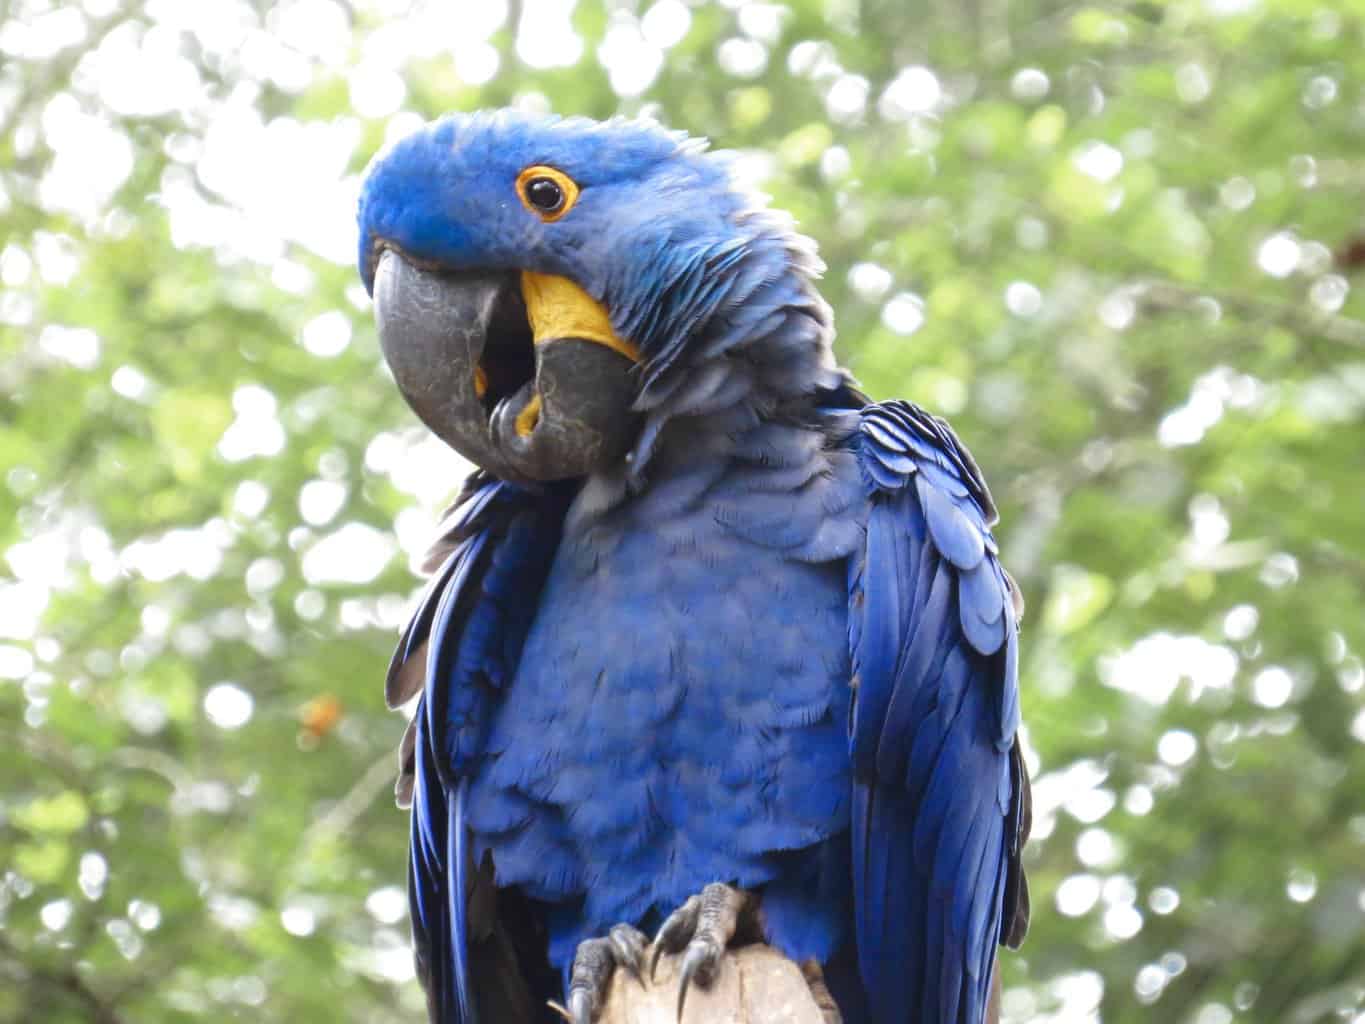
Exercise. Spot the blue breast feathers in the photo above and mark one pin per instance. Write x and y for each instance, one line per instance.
(677, 716)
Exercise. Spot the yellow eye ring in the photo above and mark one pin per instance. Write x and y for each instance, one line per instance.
(546, 192)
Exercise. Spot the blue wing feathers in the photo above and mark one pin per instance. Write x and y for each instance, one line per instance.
(882, 476)
(888, 438)
(877, 653)
(956, 537)
(462, 521)
(949, 481)
(895, 461)
(1009, 698)
(984, 922)
(397, 690)
(427, 882)
(457, 859)
(471, 619)
(982, 606)
(919, 685)
(932, 728)
(447, 710)
(937, 794)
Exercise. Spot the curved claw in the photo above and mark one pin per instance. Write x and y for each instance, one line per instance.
(629, 947)
(700, 962)
(674, 934)
(683, 981)
(594, 963)
(694, 965)
(580, 1007)
(654, 959)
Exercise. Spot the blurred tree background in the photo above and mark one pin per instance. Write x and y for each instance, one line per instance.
(1120, 244)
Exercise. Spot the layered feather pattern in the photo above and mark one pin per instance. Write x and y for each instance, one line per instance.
(469, 624)
(675, 716)
(938, 796)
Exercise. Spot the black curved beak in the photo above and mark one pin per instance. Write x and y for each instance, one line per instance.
(461, 349)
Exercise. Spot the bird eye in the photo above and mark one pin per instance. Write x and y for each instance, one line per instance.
(546, 192)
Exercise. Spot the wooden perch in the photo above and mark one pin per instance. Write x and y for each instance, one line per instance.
(755, 985)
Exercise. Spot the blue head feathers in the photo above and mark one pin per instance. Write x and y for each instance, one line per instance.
(687, 266)
(447, 194)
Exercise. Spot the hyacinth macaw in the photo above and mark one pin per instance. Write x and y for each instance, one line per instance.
(714, 647)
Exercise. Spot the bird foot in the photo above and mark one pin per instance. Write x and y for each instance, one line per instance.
(594, 963)
(703, 927)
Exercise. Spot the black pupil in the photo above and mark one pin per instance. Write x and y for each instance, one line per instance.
(544, 194)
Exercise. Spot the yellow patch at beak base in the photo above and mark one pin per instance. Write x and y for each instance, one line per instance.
(528, 417)
(558, 308)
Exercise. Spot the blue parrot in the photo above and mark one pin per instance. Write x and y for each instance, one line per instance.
(714, 647)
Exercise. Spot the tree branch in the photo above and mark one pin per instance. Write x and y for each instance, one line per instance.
(1168, 295)
(346, 811)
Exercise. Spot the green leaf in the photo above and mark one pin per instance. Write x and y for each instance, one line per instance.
(61, 813)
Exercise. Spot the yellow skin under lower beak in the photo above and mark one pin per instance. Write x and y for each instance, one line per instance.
(528, 417)
(558, 308)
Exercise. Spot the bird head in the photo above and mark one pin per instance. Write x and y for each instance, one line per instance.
(540, 283)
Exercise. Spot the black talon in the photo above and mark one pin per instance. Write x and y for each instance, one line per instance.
(628, 945)
(580, 1006)
(683, 981)
(704, 926)
(594, 962)
(697, 963)
(700, 962)
(592, 968)
(674, 934)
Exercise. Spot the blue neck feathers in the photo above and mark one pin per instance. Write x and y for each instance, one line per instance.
(733, 333)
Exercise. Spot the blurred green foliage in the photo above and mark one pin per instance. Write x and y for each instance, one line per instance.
(1119, 244)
